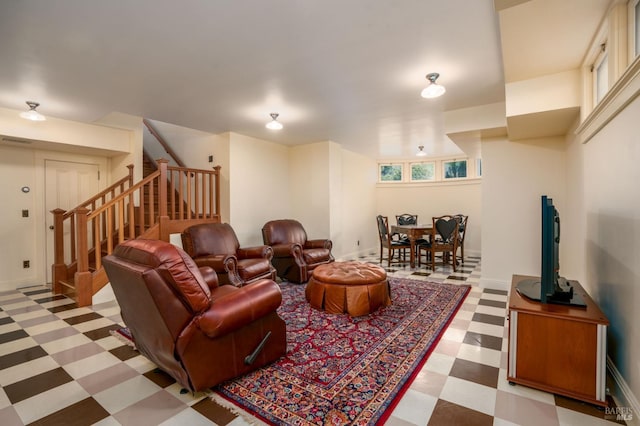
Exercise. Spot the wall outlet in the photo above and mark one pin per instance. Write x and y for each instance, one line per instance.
(25, 264)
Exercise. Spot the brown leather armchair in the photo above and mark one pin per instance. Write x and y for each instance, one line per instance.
(216, 245)
(198, 332)
(294, 256)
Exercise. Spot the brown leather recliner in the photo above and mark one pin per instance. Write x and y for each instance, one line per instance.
(198, 332)
(216, 245)
(294, 256)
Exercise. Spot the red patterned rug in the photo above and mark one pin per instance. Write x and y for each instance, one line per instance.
(342, 370)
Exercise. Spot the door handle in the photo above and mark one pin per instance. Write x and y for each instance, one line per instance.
(51, 227)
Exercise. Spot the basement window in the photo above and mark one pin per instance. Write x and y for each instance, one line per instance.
(634, 28)
(600, 71)
(390, 172)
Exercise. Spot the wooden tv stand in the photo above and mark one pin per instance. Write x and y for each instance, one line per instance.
(558, 348)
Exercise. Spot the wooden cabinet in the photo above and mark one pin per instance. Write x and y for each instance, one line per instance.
(557, 348)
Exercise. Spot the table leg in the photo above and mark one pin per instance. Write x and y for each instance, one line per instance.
(412, 255)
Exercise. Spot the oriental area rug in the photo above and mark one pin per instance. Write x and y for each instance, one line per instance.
(341, 370)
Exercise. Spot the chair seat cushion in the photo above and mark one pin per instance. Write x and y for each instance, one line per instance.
(316, 255)
(250, 268)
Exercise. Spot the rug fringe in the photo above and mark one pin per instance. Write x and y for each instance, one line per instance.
(220, 400)
(123, 339)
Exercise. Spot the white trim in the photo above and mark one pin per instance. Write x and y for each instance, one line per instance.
(625, 397)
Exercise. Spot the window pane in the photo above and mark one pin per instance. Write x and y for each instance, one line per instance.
(391, 172)
(602, 76)
(455, 169)
(423, 171)
(479, 167)
(637, 28)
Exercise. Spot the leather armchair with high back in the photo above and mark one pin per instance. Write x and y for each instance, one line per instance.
(216, 245)
(196, 331)
(294, 256)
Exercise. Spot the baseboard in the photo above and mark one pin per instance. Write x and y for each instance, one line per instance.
(628, 408)
(495, 284)
(358, 254)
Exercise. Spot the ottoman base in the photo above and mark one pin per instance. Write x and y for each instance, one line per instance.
(355, 288)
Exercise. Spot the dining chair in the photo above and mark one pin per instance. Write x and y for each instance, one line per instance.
(463, 221)
(407, 219)
(387, 242)
(444, 239)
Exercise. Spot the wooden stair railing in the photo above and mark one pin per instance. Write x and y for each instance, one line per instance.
(184, 197)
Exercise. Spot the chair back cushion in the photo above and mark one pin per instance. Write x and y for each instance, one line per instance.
(208, 239)
(407, 219)
(447, 228)
(383, 228)
(284, 231)
(174, 265)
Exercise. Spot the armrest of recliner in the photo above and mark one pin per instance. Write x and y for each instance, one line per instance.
(262, 252)
(210, 276)
(239, 308)
(321, 243)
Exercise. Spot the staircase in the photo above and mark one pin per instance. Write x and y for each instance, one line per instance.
(164, 202)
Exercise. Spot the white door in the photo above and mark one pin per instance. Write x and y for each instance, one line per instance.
(67, 184)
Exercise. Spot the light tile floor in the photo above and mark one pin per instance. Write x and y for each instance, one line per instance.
(59, 364)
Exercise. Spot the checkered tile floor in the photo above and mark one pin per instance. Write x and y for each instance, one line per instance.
(59, 364)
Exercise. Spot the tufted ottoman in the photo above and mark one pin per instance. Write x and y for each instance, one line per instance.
(356, 288)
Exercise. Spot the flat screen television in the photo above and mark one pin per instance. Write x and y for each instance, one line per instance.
(551, 287)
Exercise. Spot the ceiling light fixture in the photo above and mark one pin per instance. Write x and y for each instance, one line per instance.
(421, 153)
(274, 124)
(32, 114)
(433, 90)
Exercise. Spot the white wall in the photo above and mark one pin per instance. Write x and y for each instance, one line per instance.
(310, 188)
(515, 175)
(610, 241)
(259, 185)
(435, 199)
(25, 238)
(358, 232)
(68, 133)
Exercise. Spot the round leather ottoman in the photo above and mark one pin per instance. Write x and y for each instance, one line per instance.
(356, 288)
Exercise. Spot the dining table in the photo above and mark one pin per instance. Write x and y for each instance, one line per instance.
(414, 233)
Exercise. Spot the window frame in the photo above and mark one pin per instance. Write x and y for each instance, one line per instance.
(381, 165)
(444, 169)
(433, 175)
(633, 14)
(601, 60)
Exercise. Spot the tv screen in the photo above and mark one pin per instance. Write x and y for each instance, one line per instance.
(551, 287)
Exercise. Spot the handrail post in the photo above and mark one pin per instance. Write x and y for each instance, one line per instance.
(217, 195)
(82, 241)
(58, 269)
(162, 187)
(130, 167)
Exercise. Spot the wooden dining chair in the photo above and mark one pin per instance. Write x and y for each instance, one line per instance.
(463, 221)
(445, 235)
(387, 242)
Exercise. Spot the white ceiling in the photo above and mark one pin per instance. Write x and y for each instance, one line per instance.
(347, 71)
